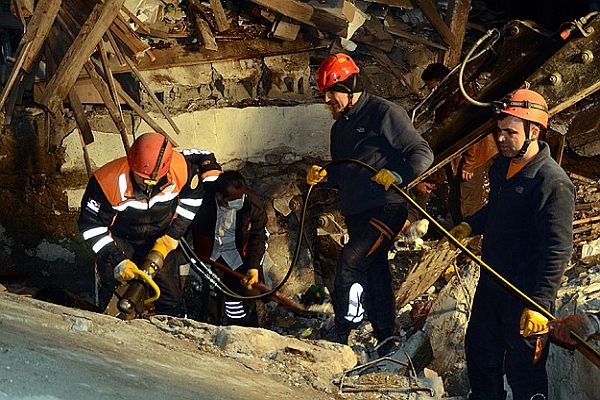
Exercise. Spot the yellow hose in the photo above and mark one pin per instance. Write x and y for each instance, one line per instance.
(146, 278)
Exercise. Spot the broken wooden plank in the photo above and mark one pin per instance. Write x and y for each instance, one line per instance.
(150, 92)
(38, 28)
(80, 118)
(83, 127)
(115, 48)
(581, 178)
(285, 28)
(586, 206)
(456, 18)
(129, 39)
(582, 229)
(307, 14)
(431, 13)
(139, 111)
(80, 50)
(586, 220)
(220, 17)
(15, 74)
(102, 88)
(406, 4)
(145, 28)
(228, 51)
(110, 79)
(203, 29)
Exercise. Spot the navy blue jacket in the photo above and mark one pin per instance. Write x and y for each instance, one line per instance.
(528, 228)
(379, 133)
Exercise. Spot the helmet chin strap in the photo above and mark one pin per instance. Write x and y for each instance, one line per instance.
(351, 94)
(527, 128)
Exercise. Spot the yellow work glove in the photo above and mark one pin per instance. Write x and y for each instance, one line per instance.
(461, 231)
(125, 270)
(315, 174)
(450, 272)
(532, 323)
(250, 278)
(164, 245)
(385, 178)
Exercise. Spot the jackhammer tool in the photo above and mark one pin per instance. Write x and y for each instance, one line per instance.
(131, 299)
(284, 301)
(582, 346)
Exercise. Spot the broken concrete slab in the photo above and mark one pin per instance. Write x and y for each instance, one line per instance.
(75, 353)
(446, 327)
(571, 376)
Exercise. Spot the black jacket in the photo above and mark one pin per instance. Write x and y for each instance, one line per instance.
(379, 133)
(527, 227)
(250, 229)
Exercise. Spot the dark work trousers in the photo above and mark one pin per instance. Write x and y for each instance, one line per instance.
(167, 279)
(363, 281)
(235, 311)
(465, 198)
(494, 346)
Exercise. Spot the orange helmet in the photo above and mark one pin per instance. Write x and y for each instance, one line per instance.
(150, 156)
(528, 105)
(334, 69)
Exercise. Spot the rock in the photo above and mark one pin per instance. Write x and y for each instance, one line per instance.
(329, 358)
(570, 374)
(446, 327)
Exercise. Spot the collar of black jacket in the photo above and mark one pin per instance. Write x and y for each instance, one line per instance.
(362, 100)
(532, 166)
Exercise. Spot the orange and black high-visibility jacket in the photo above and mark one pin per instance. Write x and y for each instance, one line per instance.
(113, 206)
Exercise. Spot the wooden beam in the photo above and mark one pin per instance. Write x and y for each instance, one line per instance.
(150, 92)
(15, 75)
(116, 50)
(431, 13)
(110, 79)
(102, 88)
(139, 111)
(393, 3)
(83, 127)
(457, 17)
(220, 17)
(228, 51)
(208, 40)
(80, 51)
(586, 220)
(38, 28)
(129, 38)
(307, 14)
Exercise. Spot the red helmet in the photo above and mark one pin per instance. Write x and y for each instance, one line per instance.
(528, 105)
(335, 68)
(150, 156)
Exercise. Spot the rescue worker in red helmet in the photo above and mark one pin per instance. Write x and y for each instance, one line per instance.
(139, 205)
(378, 132)
(528, 239)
